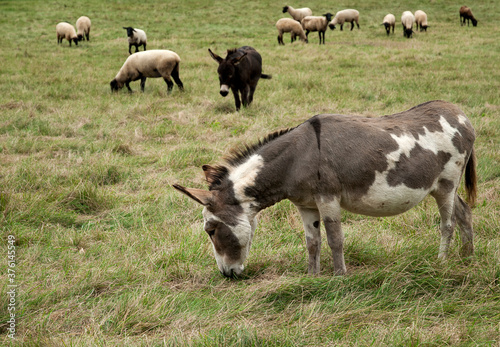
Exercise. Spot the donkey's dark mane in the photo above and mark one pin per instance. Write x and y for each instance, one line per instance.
(238, 155)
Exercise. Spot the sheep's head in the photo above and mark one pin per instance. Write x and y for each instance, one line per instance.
(474, 22)
(80, 37)
(285, 9)
(115, 85)
(130, 31)
(75, 40)
(328, 16)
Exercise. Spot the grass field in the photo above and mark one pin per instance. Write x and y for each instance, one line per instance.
(107, 253)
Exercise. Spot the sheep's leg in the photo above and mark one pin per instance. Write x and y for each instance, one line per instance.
(88, 35)
(143, 83)
(352, 25)
(236, 98)
(127, 84)
(136, 48)
(357, 24)
(129, 48)
(175, 76)
(144, 46)
(170, 84)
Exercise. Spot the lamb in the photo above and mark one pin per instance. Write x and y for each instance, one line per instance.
(466, 13)
(389, 21)
(136, 37)
(407, 19)
(153, 63)
(299, 13)
(64, 30)
(421, 20)
(287, 25)
(345, 16)
(83, 27)
(316, 23)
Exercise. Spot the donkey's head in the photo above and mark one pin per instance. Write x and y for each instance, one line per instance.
(227, 69)
(228, 223)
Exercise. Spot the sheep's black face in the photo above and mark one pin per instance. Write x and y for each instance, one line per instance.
(285, 9)
(474, 23)
(115, 86)
(331, 26)
(75, 41)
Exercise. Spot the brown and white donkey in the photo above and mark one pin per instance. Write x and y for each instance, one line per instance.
(372, 166)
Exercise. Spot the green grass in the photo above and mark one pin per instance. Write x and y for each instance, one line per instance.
(109, 254)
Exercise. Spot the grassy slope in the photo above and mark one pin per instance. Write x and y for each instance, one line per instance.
(110, 254)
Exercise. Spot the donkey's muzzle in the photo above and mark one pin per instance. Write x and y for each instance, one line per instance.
(224, 90)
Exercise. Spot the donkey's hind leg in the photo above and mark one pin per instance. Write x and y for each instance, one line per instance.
(463, 216)
(445, 204)
(311, 221)
(331, 215)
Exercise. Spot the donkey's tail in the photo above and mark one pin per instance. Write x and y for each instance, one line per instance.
(266, 77)
(471, 179)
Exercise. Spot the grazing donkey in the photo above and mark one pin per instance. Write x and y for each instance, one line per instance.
(373, 166)
(240, 71)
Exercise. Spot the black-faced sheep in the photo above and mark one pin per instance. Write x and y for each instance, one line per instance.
(66, 31)
(421, 20)
(343, 16)
(153, 63)
(316, 23)
(136, 37)
(388, 22)
(299, 13)
(288, 25)
(83, 28)
(407, 20)
(466, 14)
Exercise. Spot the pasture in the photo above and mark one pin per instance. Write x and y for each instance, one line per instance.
(107, 253)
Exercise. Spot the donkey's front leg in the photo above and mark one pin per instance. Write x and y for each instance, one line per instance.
(331, 215)
(310, 219)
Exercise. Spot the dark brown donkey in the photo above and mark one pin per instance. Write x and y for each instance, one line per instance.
(373, 166)
(240, 71)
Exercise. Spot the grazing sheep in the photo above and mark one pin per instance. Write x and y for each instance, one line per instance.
(136, 37)
(345, 16)
(83, 27)
(407, 19)
(64, 30)
(466, 13)
(389, 21)
(421, 20)
(287, 25)
(153, 63)
(316, 23)
(299, 13)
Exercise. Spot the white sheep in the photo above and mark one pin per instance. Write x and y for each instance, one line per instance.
(83, 28)
(136, 37)
(407, 19)
(316, 23)
(343, 16)
(388, 22)
(64, 30)
(288, 25)
(421, 20)
(153, 63)
(299, 13)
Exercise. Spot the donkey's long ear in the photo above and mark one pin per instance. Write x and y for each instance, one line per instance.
(214, 175)
(201, 196)
(215, 56)
(238, 60)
